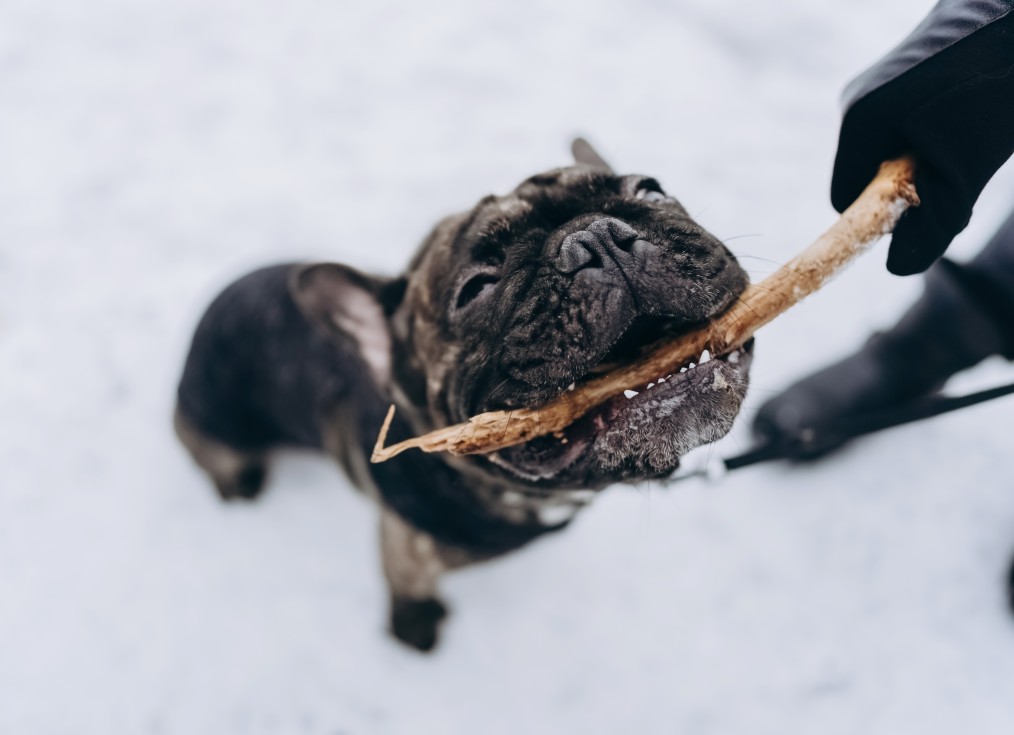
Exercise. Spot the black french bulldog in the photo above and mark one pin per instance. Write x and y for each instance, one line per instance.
(507, 305)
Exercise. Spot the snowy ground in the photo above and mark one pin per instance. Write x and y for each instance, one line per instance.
(151, 151)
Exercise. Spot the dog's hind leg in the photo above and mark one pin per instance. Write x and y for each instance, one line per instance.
(236, 473)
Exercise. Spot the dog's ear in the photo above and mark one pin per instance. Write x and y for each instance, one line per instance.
(352, 303)
(585, 155)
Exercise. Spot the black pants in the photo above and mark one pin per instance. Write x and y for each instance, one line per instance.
(966, 313)
(993, 270)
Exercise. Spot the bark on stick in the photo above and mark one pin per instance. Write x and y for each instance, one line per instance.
(871, 216)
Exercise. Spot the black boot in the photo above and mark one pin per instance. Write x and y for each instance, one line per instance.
(952, 327)
(1010, 588)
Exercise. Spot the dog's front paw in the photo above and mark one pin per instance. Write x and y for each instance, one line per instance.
(416, 622)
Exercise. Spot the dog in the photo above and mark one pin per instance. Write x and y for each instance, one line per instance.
(507, 305)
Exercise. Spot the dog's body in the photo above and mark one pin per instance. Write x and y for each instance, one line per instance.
(506, 305)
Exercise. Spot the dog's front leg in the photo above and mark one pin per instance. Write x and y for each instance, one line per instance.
(412, 565)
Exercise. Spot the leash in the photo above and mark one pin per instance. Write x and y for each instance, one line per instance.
(811, 444)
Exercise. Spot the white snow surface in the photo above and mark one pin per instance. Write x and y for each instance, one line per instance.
(152, 151)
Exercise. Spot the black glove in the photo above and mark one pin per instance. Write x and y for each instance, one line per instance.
(945, 95)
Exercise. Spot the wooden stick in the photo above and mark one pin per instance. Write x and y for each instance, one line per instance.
(871, 216)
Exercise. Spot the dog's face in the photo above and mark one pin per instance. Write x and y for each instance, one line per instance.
(574, 272)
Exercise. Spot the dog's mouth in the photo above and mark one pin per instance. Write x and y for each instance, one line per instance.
(691, 403)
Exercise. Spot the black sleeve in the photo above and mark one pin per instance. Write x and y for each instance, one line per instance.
(945, 94)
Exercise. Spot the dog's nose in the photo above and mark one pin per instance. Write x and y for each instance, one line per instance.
(604, 241)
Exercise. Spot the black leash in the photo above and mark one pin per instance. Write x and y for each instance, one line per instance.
(812, 444)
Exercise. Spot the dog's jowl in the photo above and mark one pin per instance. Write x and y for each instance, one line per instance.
(505, 306)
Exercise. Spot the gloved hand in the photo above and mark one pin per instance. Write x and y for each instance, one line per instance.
(946, 95)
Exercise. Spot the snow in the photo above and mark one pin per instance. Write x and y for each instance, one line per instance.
(150, 152)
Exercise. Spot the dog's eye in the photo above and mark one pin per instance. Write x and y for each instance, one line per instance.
(476, 287)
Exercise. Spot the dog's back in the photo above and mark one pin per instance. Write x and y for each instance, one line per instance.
(258, 375)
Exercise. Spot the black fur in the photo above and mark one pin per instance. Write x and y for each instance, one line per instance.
(259, 374)
(416, 621)
(503, 307)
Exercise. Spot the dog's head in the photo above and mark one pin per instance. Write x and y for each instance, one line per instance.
(512, 303)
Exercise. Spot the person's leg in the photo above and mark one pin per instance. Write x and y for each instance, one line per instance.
(994, 269)
(992, 276)
(965, 315)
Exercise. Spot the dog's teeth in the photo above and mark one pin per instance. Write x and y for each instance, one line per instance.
(651, 385)
(734, 356)
(630, 393)
(705, 356)
(692, 366)
(662, 380)
(682, 370)
(572, 386)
